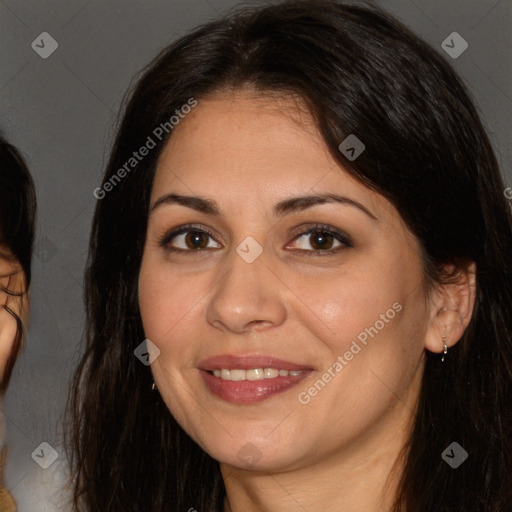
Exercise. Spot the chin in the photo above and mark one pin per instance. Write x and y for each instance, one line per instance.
(252, 456)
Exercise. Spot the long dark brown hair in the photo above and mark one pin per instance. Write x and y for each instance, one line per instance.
(360, 72)
(17, 226)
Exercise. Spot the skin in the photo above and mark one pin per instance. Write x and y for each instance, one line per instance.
(15, 283)
(248, 151)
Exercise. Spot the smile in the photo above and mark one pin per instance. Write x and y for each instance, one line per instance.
(250, 378)
(236, 375)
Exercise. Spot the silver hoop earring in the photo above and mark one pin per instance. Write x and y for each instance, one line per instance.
(153, 386)
(445, 349)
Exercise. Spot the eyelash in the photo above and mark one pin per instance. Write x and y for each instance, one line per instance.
(341, 236)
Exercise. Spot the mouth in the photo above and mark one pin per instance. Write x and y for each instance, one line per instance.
(250, 379)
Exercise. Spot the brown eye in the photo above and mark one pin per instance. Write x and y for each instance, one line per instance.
(196, 239)
(321, 240)
(188, 239)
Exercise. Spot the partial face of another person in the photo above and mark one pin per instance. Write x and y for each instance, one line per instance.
(292, 291)
(12, 287)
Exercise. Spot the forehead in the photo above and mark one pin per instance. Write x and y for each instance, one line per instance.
(260, 146)
(242, 127)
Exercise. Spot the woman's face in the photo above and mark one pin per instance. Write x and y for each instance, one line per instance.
(342, 305)
(12, 278)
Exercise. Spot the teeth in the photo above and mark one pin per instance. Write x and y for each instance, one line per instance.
(235, 375)
(254, 374)
(270, 373)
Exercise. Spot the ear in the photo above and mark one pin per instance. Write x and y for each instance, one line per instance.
(451, 308)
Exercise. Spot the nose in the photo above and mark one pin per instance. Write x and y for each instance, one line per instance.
(248, 297)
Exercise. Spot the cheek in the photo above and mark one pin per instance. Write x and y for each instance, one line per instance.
(164, 298)
(370, 314)
(374, 345)
(340, 306)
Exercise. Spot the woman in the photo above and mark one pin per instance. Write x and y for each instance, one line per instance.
(17, 219)
(302, 237)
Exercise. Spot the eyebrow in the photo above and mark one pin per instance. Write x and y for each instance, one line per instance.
(285, 207)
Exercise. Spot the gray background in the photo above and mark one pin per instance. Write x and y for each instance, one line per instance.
(60, 112)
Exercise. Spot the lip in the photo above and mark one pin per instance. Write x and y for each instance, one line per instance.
(246, 391)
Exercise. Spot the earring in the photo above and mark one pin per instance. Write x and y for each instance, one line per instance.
(153, 386)
(445, 349)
